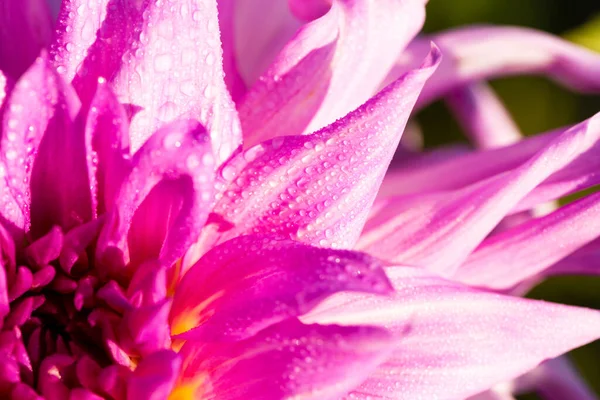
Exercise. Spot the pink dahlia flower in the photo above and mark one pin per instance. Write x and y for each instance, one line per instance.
(189, 204)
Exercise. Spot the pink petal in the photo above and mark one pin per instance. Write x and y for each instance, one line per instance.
(457, 341)
(513, 256)
(4, 305)
(332, 66)
(307, 10)
(583, 261)
(163, 203)
(229, 295)
(3, 89)
(154, 377)
(261, 28)
(153, 55)
(287, 360)
(423, 229)
(38, 129)
(318, 188)
(482, 116)
(501, 51)
(227, 21)
(25, 28)
(107, 134)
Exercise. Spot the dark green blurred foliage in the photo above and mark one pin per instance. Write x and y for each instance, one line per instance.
(537, 105)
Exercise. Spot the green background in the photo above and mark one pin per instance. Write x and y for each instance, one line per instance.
(537, 105)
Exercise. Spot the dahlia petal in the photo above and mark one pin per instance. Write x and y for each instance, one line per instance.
(318, 188)
(456, 340)
(45, 249)
(482, 116)
(229, 295)
(76, 26)
(584, 261)
(332, 66)
(512, 256)
(174, 171)
(422, 229)
(261, 29)
(29, 21)
(4, 294)
(227, 21)
(497, 52)
(148, 327)
(38, 129)
(22, 391)
(154, 377)
(106, 131)
(76, 241)
(307, 10)
(287, 360)
(3, 89)
(152, 54)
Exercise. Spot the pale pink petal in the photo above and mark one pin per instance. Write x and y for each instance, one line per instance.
(155, 376)
(318, 188)
(515, 255)
(230, 295)
(456, 341)
(423, 229)
(106, 131)
(487, 52)
(78, 21)
(38, 128)
(482, 116)
(285, 361)
(233, 79)
(163, 203)
(332, 65)
(3, 89)
(25, 28)
(153, 55)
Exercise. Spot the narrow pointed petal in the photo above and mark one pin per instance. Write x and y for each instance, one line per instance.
(173, 171)
(229, 295)
(318, 188)
(512, 256)
(333, 64)
(152, 54)
(25, 28)
(482, 116)
(457, 341)
(154, 377)
(498, 52)
(423, 229)
(106, 132)
(287, 360)
(583, 261)
(39, 127)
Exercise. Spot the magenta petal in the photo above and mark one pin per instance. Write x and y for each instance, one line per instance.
(512, 256)
(153, 55)
(318, 188)
(287, 360)
(457, 341)
(174, 170)
(230, 295)
(25, 28)
(38, 129)
(422, 229)
(501, 51)
(107, 134)
(4, 305)
(154, 377)
(332, 66)
(227, 21)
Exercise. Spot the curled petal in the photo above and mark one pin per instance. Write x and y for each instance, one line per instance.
(512, 256)
(152, 55)
(318, 188)
(457, 341)
(106, 132)
(422, 229)
(332, 65)
(482, 116)
(39, 128)
(287, 360)
(25, 28)
(501, 51)
(154, 377)
(173, 171)
(229, 295)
